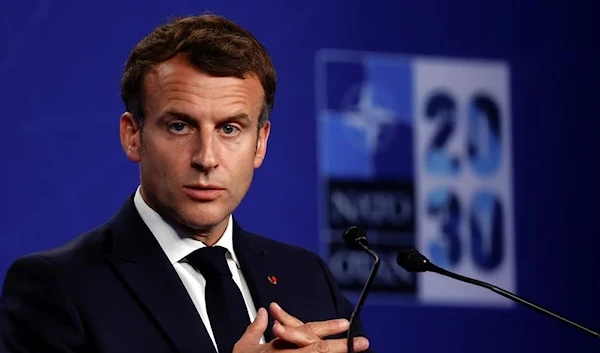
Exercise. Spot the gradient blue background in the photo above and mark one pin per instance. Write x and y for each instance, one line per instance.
(63, 171)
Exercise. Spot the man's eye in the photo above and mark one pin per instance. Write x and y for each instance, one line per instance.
(230, 129)
(177, 127)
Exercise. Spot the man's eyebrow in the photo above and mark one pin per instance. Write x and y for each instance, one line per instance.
(241, 118)
(178, 115)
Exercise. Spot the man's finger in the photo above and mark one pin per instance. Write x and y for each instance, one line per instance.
(361, 344)
(293, 335)
(255, 330)
(283, 317)
(310, 332)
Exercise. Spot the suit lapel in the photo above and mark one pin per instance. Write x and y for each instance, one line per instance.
(144, 267)
(256, 267)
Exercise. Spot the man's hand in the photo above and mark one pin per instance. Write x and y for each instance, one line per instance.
(295, 336)
(292, 330)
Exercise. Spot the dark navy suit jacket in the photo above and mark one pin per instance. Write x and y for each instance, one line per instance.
(114, 290)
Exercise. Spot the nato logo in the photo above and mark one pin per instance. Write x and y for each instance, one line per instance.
(365, 153)
(417, 151)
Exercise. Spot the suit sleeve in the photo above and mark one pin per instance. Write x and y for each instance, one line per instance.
(343, 306)
(36, 312)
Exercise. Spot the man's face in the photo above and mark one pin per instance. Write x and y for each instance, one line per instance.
(199, 144)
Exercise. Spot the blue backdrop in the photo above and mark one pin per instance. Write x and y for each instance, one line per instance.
(64, 171)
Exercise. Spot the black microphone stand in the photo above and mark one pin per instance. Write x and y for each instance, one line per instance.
(363, 296)
(413, 261)
(510, 296)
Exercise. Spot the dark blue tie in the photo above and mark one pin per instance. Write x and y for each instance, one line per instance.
(225, 304)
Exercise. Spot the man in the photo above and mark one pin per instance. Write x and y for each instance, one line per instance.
(172, 271)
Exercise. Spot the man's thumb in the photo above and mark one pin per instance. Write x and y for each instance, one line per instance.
(256, 329)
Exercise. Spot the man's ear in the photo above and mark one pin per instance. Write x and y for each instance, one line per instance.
(261, 144)
(131, 137)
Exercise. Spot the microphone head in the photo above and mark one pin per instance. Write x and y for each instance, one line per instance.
(412, 260)
(354, 236)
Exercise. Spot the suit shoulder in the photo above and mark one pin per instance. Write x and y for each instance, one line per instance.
(84, 247)
(286, 249)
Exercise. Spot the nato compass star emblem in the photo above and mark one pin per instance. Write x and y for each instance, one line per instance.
(367, 115)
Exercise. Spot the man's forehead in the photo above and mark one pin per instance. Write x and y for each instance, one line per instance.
(182, 70)
(166, 76)
(180, 63)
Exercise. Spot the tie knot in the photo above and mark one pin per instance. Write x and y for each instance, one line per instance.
(210, 261)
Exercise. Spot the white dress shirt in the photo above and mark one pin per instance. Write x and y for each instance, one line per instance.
(177, 246)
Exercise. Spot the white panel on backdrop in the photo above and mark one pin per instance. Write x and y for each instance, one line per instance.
(463, 170)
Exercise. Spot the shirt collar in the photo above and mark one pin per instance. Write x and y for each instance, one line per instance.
(175, 243)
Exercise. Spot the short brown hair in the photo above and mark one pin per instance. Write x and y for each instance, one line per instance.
(211, 43)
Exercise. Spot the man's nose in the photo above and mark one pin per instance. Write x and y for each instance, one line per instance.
(204, 156)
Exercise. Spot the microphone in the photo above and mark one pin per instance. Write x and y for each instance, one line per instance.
(413, 261)
(355, 238)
